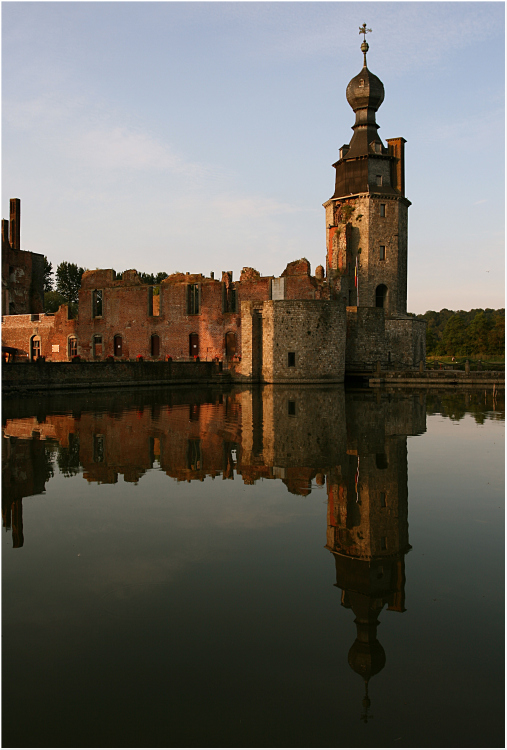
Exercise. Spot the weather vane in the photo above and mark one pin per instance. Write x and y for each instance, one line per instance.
(364, 30)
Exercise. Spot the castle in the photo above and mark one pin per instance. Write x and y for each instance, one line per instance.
(298, 327)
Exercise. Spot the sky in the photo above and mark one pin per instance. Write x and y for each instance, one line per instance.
(200, 136)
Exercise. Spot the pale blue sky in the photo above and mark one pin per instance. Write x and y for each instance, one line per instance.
(200, 136)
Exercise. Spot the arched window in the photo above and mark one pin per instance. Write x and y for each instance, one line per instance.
(381, 296)
(118, 346)
(35, 347)
(72, 346)
(230, 344)
(155, 345)
(193, 344)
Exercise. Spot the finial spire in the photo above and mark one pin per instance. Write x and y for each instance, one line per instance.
(364, 46)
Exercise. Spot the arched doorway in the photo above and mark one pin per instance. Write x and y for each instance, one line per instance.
(35, 347)
(230, 344)
(381, 296)
(193, 344)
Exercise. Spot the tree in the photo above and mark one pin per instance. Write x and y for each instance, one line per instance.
(454, 336)
(496, 337)
(47, 276)
(68, 280)
(478, 333)
(52, 301)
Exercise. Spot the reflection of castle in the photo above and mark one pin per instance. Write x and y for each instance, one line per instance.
(355, 443)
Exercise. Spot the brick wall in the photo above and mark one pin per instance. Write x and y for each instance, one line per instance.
(54, 332)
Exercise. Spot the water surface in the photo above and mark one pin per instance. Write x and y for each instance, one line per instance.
(269, 567)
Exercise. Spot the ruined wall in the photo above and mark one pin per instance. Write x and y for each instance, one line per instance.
(22, 281)
(22, 271)
(53, 330)
(129, 310)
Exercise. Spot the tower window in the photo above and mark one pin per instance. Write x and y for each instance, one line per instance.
(97, 303)
(378, 179)
(383, 503)
(291, 359)
(382, 254)
(291, 408)
(382, 210)
(361, 83)
(378, 148)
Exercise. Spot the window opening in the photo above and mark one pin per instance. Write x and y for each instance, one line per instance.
(155, 345)
(291, 359)
(382, 210)
(383, 500)
(229, 298)
(382, 252)
(383, 542)
(378, 179)
(291, 408)
(193, 299)
(154, 301)
(118, 346)
(381, 461)
(97, 303)
(72, 346)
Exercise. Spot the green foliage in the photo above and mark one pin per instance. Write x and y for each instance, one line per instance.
(150, 278)
(47, 276)
(464, 333)
(68, 280)
(52, 301)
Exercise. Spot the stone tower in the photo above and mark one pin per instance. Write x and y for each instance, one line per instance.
(366, 218)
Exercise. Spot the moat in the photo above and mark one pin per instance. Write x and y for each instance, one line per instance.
(263, 567)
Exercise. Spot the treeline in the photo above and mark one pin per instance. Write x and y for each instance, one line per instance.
(459, 333)
(62, 287)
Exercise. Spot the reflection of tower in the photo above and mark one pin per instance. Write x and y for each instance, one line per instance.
(367, 524)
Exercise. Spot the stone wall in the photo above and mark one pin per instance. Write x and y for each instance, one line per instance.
(365, 337)
(406, 342)
(301, 341)
(69, 375)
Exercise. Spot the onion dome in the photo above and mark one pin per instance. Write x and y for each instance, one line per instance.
(365, 94)
(365, 90)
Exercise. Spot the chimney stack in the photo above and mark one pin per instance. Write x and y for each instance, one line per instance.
(15, 224)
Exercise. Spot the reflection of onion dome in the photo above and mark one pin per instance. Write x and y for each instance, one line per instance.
(367, 659)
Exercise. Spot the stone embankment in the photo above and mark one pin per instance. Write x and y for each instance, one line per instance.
(439, 379)
(19, 377)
